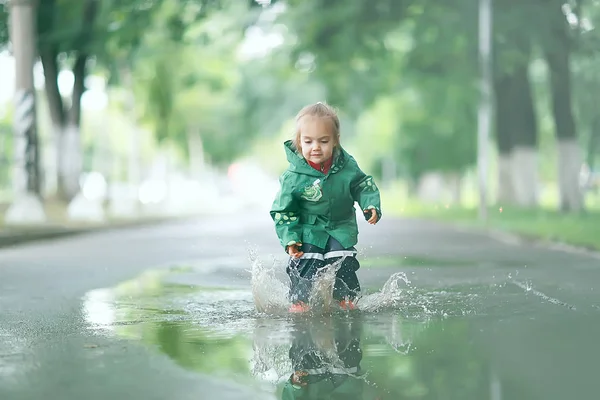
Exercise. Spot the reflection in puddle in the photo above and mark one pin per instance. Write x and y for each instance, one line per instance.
(417, 351)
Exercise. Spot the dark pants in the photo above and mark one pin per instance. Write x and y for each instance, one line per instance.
(303, 270)
(306, 356)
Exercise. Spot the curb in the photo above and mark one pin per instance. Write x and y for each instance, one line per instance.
(517, 239)
(18, 236)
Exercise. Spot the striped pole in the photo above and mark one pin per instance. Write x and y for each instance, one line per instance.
(26, 207)
(26, 156)
(25, 152)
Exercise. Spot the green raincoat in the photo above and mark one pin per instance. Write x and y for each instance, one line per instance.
(311, 206)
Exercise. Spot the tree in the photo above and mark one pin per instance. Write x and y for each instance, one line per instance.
(586, 86)
(557, 44)
(186, 91)
(440, 128)
(3, 24)
(347, 42)
(66, 29)
(516, 119)
(76, 35)
(363, 52)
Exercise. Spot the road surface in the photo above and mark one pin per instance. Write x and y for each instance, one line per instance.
(166, 312)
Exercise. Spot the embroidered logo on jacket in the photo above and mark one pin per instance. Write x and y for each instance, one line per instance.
(313, 192)
(368, 185)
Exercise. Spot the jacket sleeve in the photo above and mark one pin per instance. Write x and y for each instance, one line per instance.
(365, 192)
(284, 213)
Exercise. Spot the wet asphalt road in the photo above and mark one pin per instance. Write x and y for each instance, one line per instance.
(535, 316)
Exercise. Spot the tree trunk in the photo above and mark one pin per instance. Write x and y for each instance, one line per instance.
(23, 34)
(593, 143)
(557, 52)
(454, 184)
(525, 135)
(195, 153)
(504, 142)
(64, 166)
(388, 170)
(26, 207)
(516, 138)
(57, 116)
(516, 125)
(70, 161)
(134, 167)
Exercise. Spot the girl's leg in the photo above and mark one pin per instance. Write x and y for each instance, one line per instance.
(346, 285)
(302, 271)
(347, 340)
(304, 353)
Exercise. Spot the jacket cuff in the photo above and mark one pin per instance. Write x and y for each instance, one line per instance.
(291, 243)
(377, 210)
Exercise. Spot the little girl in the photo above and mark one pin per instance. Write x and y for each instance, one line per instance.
(314, 211)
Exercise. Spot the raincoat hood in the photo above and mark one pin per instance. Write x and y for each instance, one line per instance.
(299, 164)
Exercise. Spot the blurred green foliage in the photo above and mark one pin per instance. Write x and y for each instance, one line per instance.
(403, 74)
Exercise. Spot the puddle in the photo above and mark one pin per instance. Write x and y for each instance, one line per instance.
(218, 332)
(462, 342)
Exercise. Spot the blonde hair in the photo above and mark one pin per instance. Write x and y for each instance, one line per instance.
(319, 110)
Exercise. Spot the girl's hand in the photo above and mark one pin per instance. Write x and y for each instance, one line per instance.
(294, 251)
(298, 378)
(373, 219)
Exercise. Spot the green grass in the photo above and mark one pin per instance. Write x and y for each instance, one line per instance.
(545, 223)
(413, 261)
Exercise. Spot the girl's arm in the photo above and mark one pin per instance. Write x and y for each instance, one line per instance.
(284, 212)
(366, 193)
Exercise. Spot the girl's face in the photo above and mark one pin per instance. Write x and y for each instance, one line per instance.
(316, 139)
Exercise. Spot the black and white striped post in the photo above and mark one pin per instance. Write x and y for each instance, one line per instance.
(25, 171)
(26, 207)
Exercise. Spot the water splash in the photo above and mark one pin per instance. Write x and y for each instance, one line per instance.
(391, 294)
(270, 360)
(528, 287)
(270, 294)
(321, 298)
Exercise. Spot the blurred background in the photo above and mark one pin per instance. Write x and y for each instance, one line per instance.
(472, 111)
